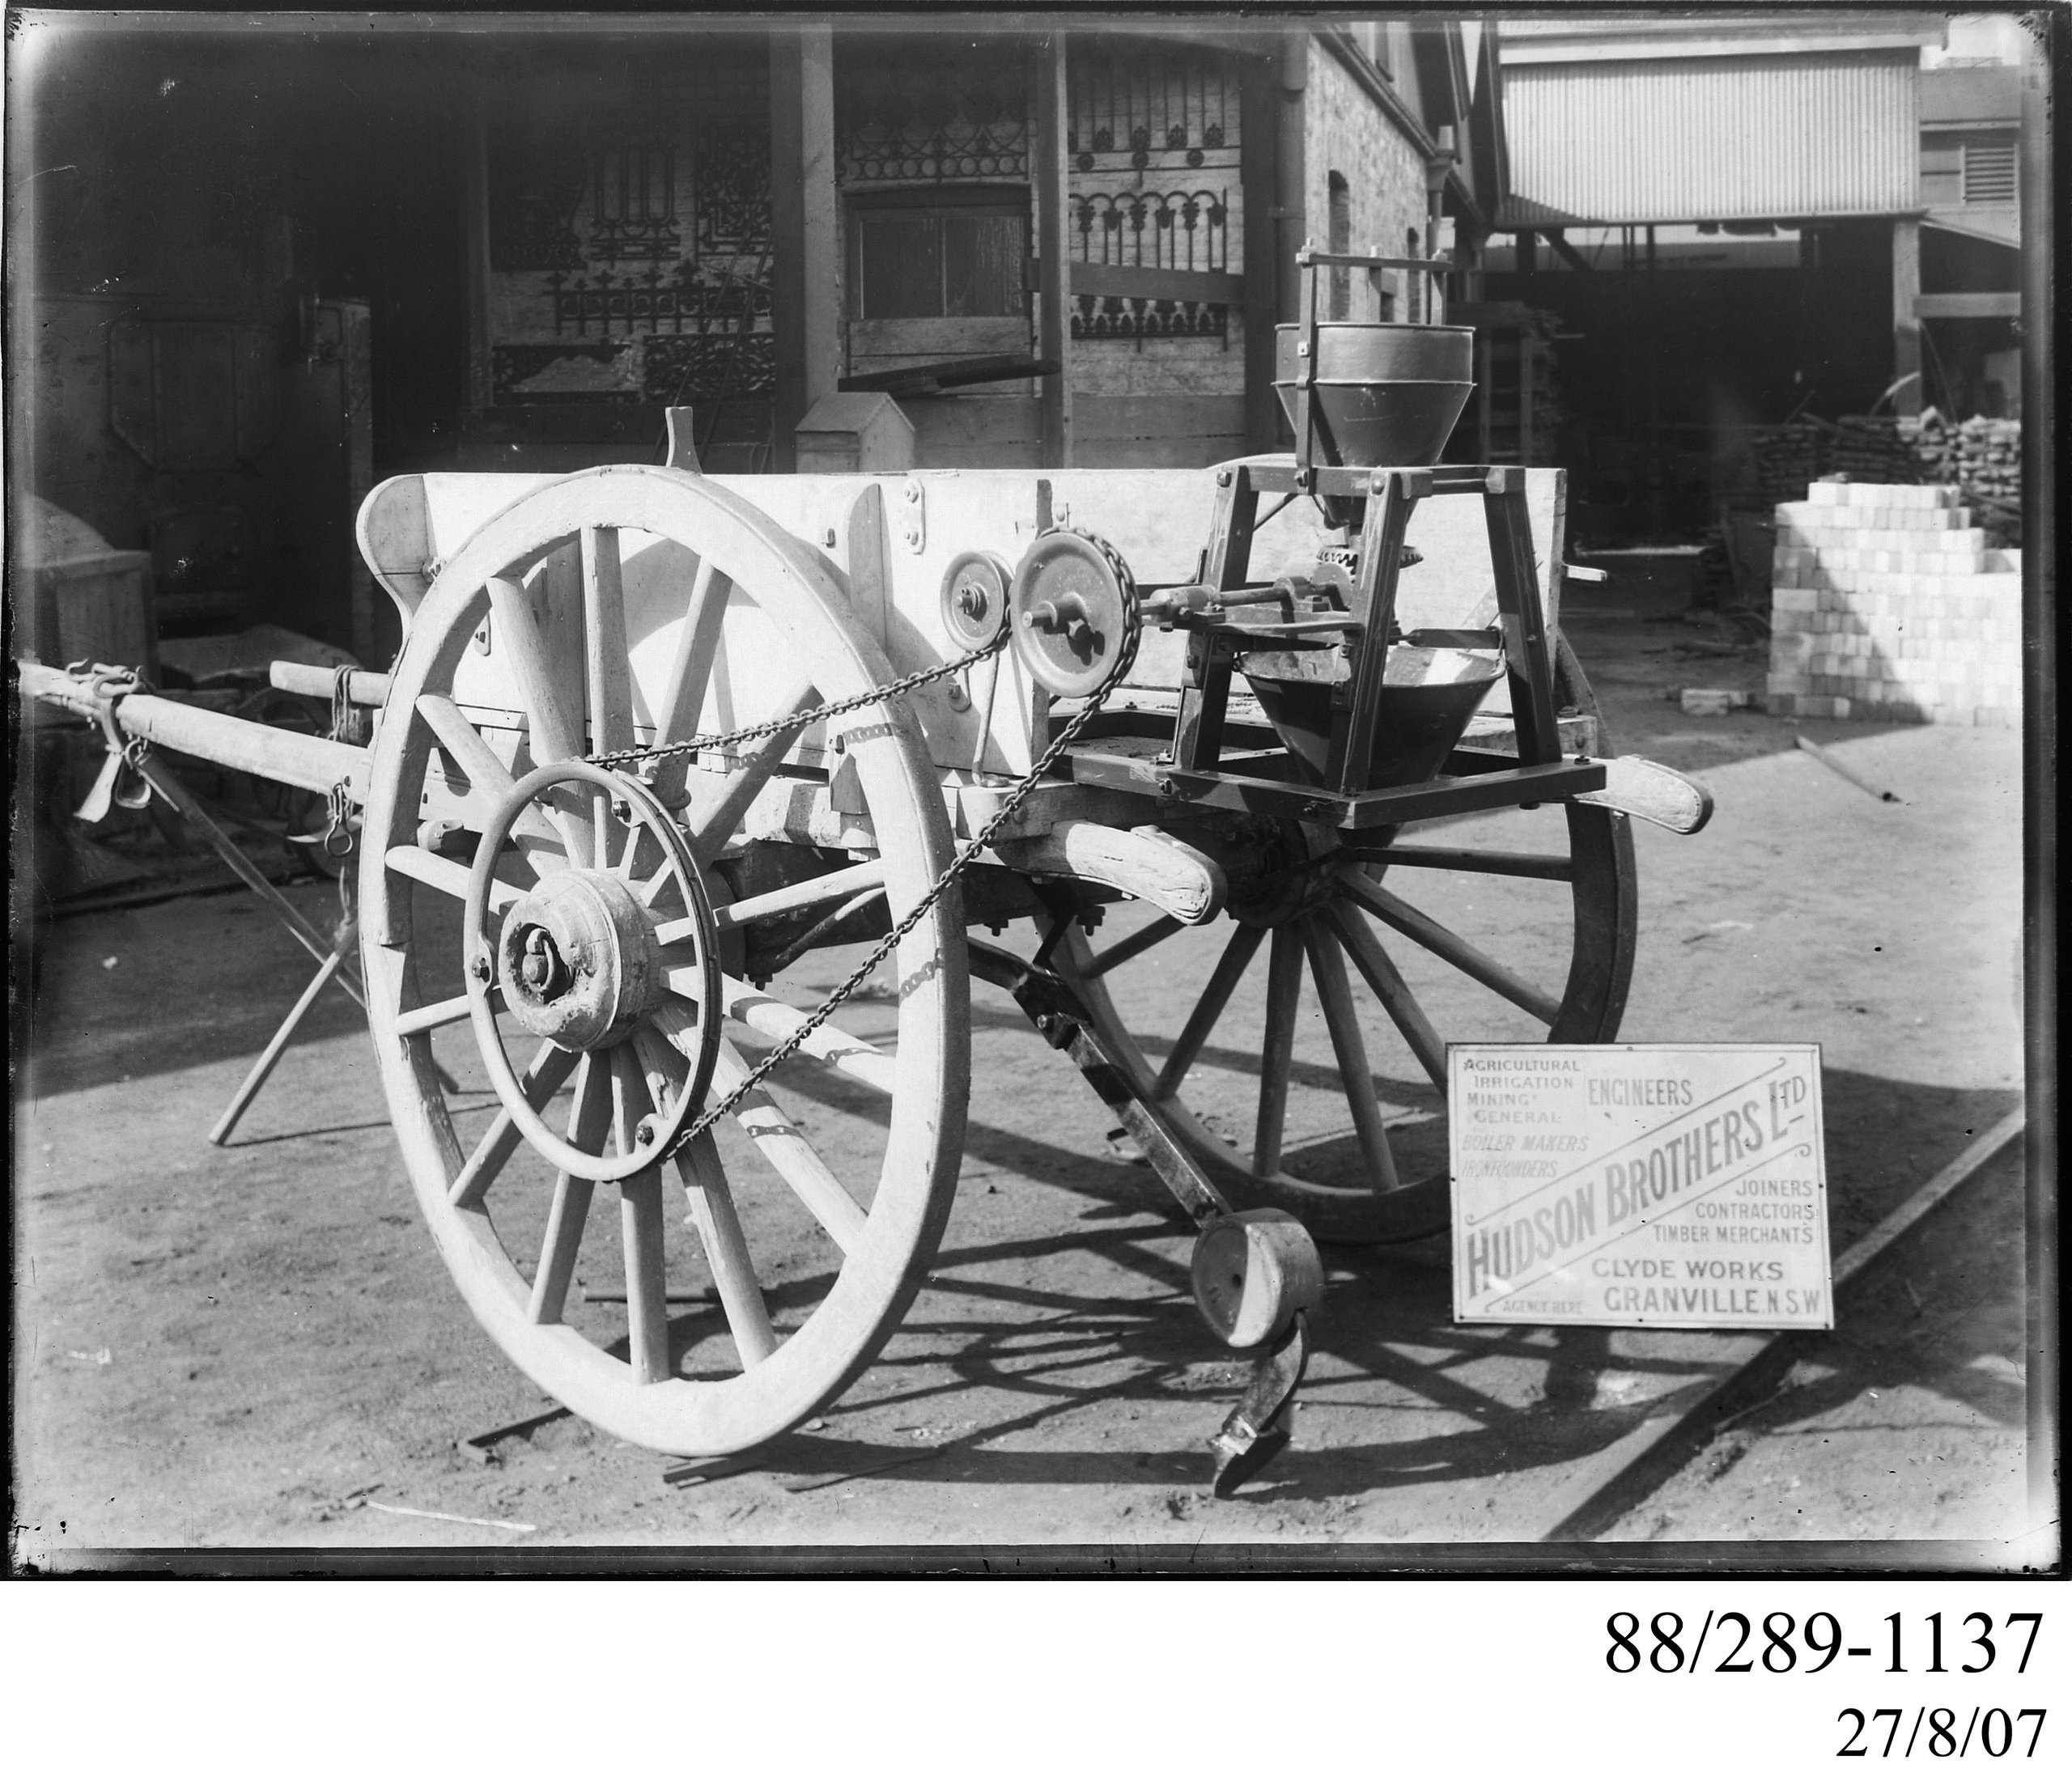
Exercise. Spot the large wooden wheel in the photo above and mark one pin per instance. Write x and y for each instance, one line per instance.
(1321, 1090)
(577, 924)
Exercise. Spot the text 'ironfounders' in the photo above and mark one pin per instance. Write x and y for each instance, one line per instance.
(1679, 1187)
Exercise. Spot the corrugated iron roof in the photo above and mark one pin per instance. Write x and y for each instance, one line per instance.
(1710, 139)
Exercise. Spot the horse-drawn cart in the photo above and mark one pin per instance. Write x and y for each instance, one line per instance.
(684, 786)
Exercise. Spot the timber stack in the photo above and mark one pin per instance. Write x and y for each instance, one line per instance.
(1983, 459)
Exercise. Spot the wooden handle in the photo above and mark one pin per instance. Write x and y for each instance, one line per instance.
(361, 688)
(1654, 793)
(1143, 862)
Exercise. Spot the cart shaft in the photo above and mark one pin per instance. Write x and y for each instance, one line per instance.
(314, 763)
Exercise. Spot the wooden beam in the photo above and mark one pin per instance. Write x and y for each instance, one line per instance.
(1259, 127)
(1559, 242)
(1156, 283)
(804, 291)
(1966, 305)
(1291, 168)
(1906, 321)
(1049, 102)
(475, 125)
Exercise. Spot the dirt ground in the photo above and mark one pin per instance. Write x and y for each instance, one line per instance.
(258, 1347)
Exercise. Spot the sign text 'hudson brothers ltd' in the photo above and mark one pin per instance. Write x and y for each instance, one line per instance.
(1671, 1186)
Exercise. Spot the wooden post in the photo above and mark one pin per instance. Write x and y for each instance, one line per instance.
(1526, 380)
(1259, 146)
(1906, 323)
(1291, 167)
(1050, 101)
(805, 283)
(475, 125)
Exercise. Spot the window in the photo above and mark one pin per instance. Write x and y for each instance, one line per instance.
(938, 253)
(1989, 170)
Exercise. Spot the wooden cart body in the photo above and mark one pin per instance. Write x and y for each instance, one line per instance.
(891, 539)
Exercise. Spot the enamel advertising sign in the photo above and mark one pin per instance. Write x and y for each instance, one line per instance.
(1664, 1186)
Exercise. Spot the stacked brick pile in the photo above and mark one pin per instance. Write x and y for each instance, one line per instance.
(1888, 605)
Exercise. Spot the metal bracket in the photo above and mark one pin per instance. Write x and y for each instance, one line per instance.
(914, 515)
(1264, 1420)
(1259, 1428)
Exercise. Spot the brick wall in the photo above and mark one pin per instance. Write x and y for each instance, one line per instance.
(1888, 605)
(1349, 134)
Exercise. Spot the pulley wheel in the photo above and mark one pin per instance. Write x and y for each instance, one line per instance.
(1252, 1272)
(1074, 608)
(975, 598)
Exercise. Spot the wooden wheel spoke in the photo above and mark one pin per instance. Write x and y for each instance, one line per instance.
(628, 855)
(1476, 859)
(1389, 990)
(610, 677)
(608, 683)
(489, 780)
(442, 1014)
(1469, 960)
(1328, 966)
(867, 875)
(1223, 981)
(790, 1153)
(774, 1019)
(712, 826)
(554, 732)
(640, 1222)
(449, 876)
(551, 734)
(589, 1122)
(726, 1250)
(690, 672)
(551, 1067)
(649, 890)
(1145, 938)
(1284, 995)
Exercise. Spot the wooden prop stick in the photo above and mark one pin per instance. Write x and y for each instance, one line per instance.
(248, 1089)
(331, 958)
(163, 781)
(1834, 765)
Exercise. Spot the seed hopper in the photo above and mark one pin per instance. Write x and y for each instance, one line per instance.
(684, 791)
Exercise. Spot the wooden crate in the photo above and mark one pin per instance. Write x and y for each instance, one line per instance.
(94, 609)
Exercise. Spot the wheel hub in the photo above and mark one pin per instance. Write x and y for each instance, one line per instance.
(1293, 884)
(578, 962)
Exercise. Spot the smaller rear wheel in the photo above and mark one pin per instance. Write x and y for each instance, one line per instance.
(1305, 1066)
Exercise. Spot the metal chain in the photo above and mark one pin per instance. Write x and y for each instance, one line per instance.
(790, 1045)
(756, 732)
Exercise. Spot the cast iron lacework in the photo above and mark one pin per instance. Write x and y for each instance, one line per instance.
(653, 302)
(636, 203)
(1140, 318)
(708, 367)
(1156, 113)
(733, 190)
(1174, 231)
(926, 115)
